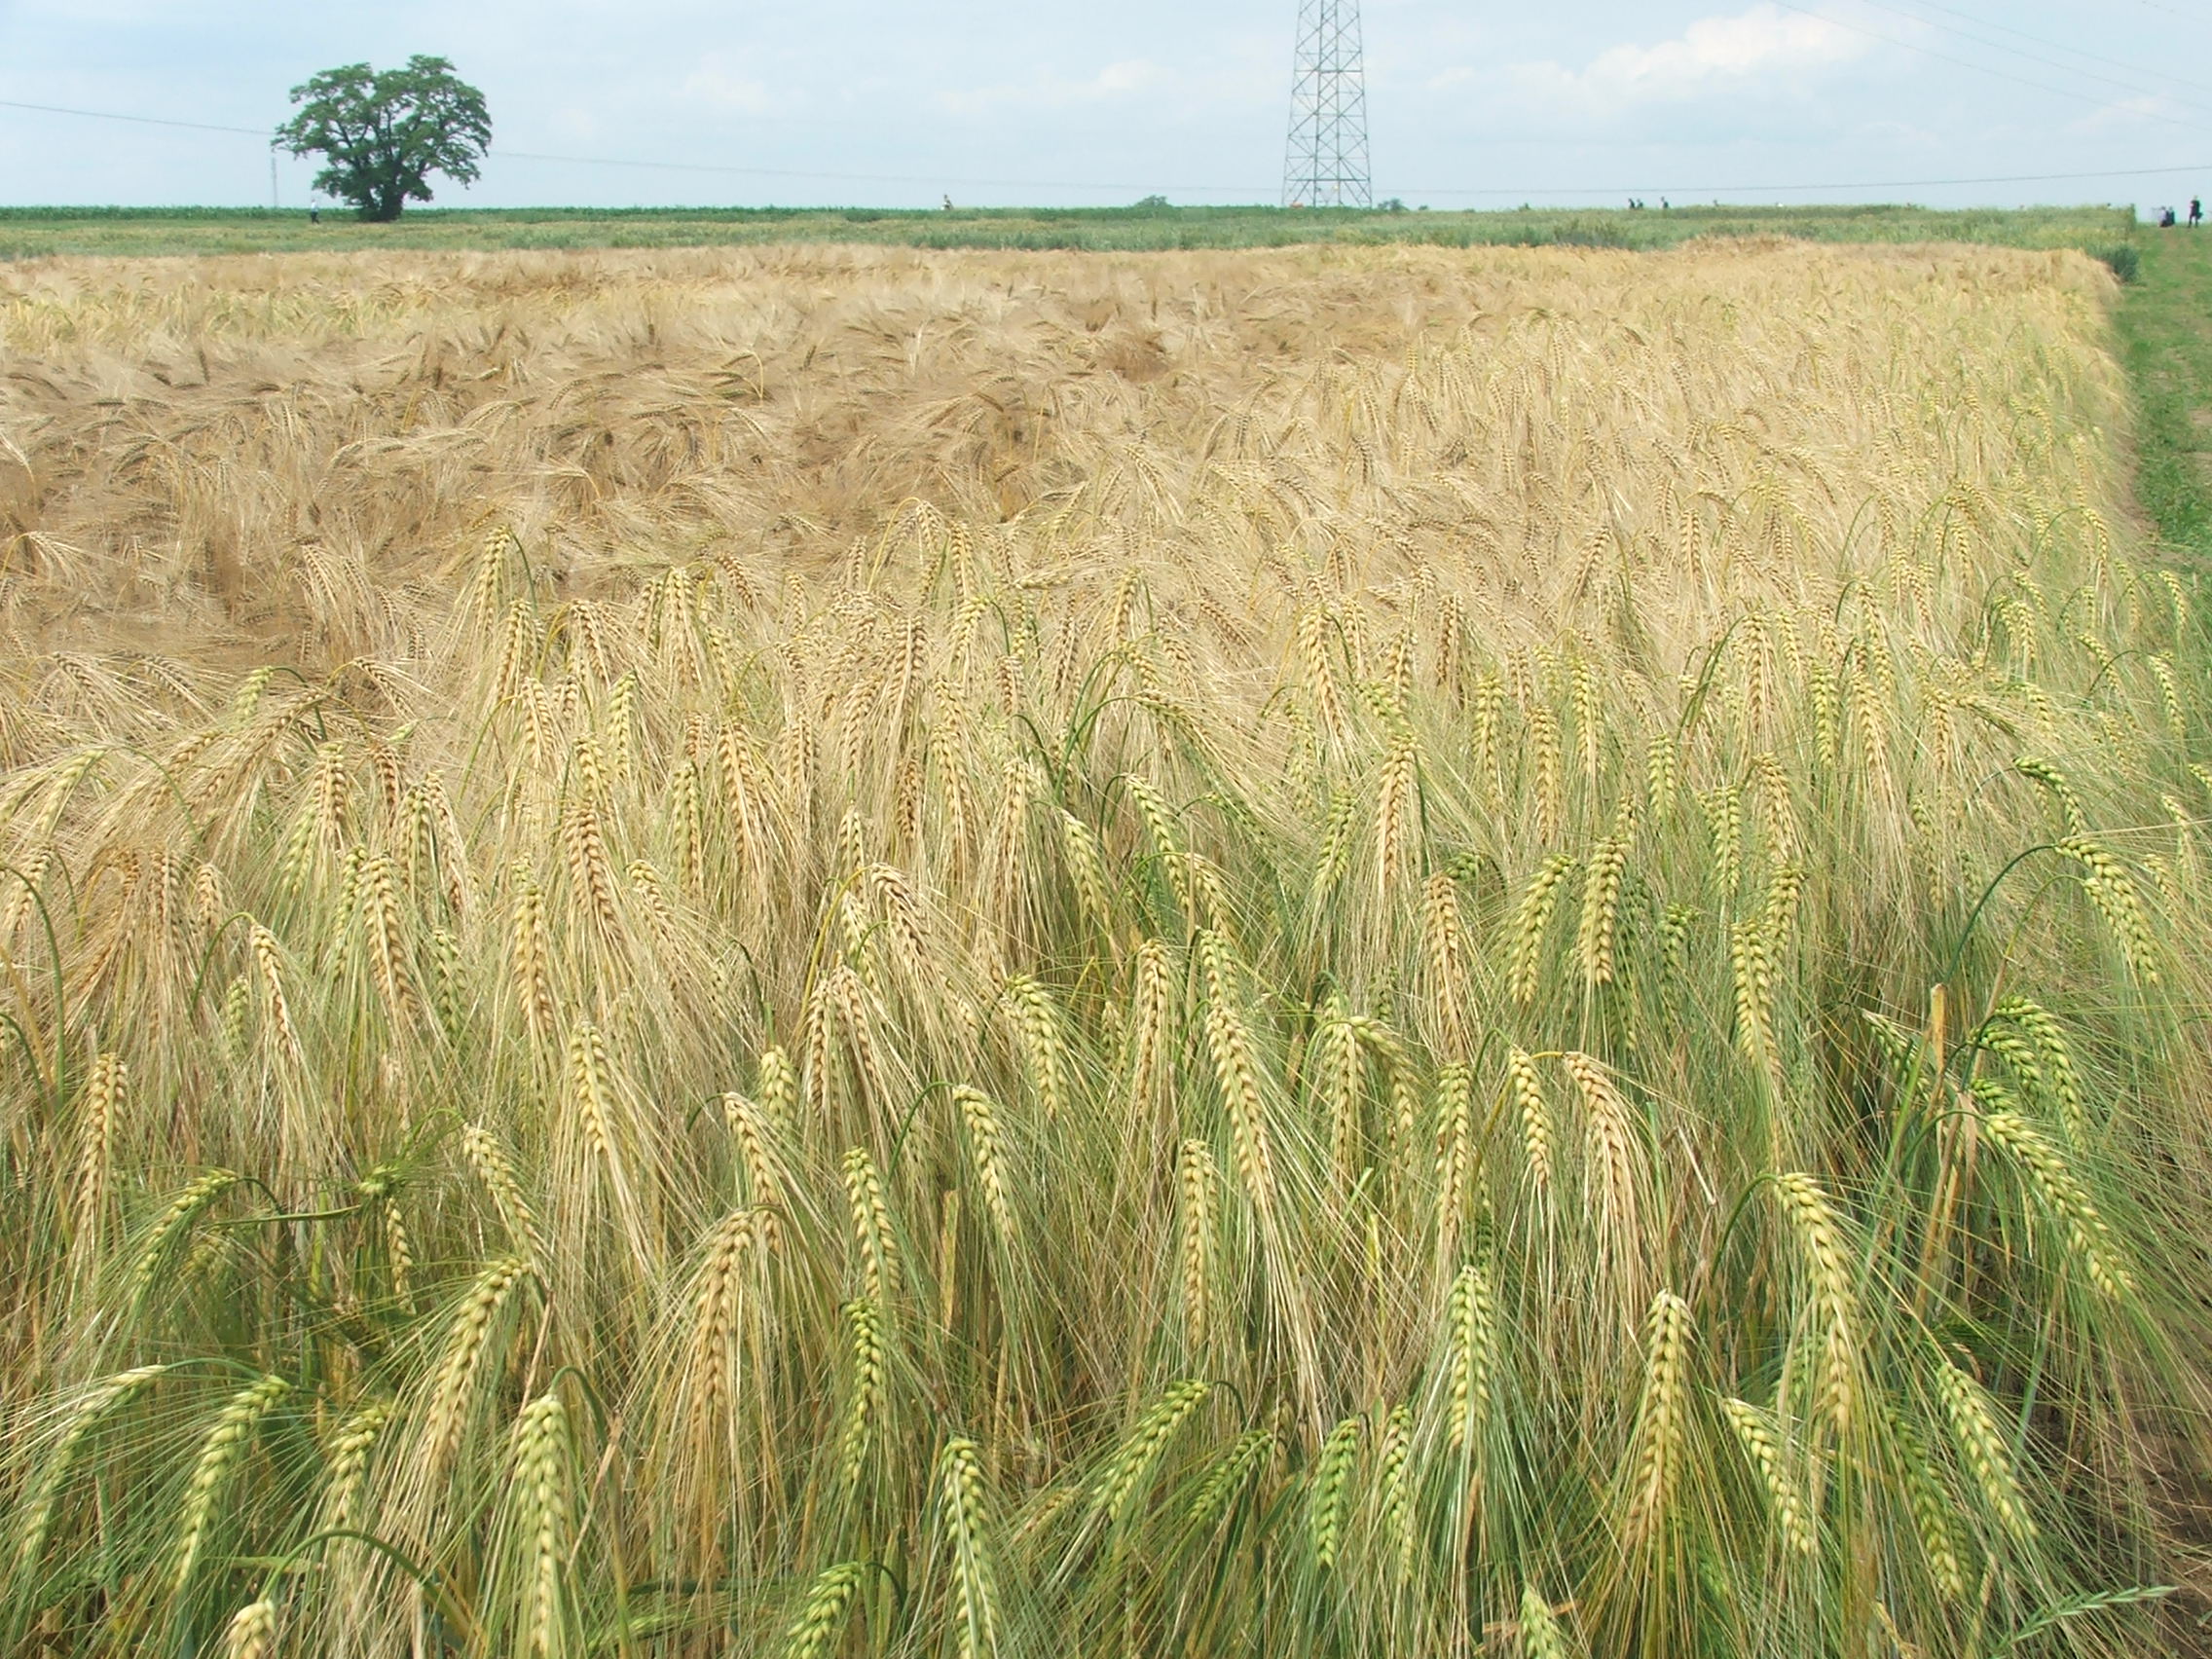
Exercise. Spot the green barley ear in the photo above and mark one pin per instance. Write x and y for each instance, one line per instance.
(775, 1086)
(1038, 1022)
(1661, 1417)
(488, 1162)
(2113, 891)
(541, 1522)
(1600, 908)
(1125, 1474)
(174, 1226)
(41, 1501)
(101, 1105)
(976, 1619)
(2061, 790)
(986, 1147)
(1330, 1489)
(1982, 1449)
(1232, 1475)
(1396, 824)
(1470, 1342)
(876, 1250)
(252, 1632)
(816, 1628)
(1236, 1074)
(865, 1381)
(1086, 869)
(476, 1325)
(1532, 920)
(220, 1454)
(2050, 1175)
(1536, 1136)
(348, 1465)
(1333, 859)
(1827, 1262)
(1765, 1449)
(1197, 1184)
(2053, 1060)
(1542, 1635)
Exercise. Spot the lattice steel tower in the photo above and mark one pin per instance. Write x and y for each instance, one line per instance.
(1326, 165)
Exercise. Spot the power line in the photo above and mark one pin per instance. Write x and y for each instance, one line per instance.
(1791, 189)
(1257, 192)
(141, 119)
(933, 180)
(2059, 45)
(2031, 56)
(664, 166)
(1970, 64)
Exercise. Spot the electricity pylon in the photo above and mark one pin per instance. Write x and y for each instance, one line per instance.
(1326, 165)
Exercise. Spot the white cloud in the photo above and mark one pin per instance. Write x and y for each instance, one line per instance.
(713, 84)
(1129, 78)
(1132, 75)
(1744, 50)
(2129, 114)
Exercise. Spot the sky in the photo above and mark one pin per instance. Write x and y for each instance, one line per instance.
(997, 102)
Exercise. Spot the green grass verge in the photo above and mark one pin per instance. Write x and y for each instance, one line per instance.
(2164, 325)
(28, 232)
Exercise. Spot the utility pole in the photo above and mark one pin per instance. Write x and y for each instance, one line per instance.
(273, 181)
(1326, 163)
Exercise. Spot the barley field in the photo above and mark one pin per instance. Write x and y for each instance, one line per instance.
(840, 952)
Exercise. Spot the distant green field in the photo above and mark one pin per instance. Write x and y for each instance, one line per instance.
(28, 232)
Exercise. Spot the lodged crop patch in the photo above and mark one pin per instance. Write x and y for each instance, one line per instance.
(1335, 952)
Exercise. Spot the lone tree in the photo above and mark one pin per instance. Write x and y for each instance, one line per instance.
(384, 132)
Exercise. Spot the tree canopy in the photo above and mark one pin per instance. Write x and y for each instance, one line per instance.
(383, 132)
